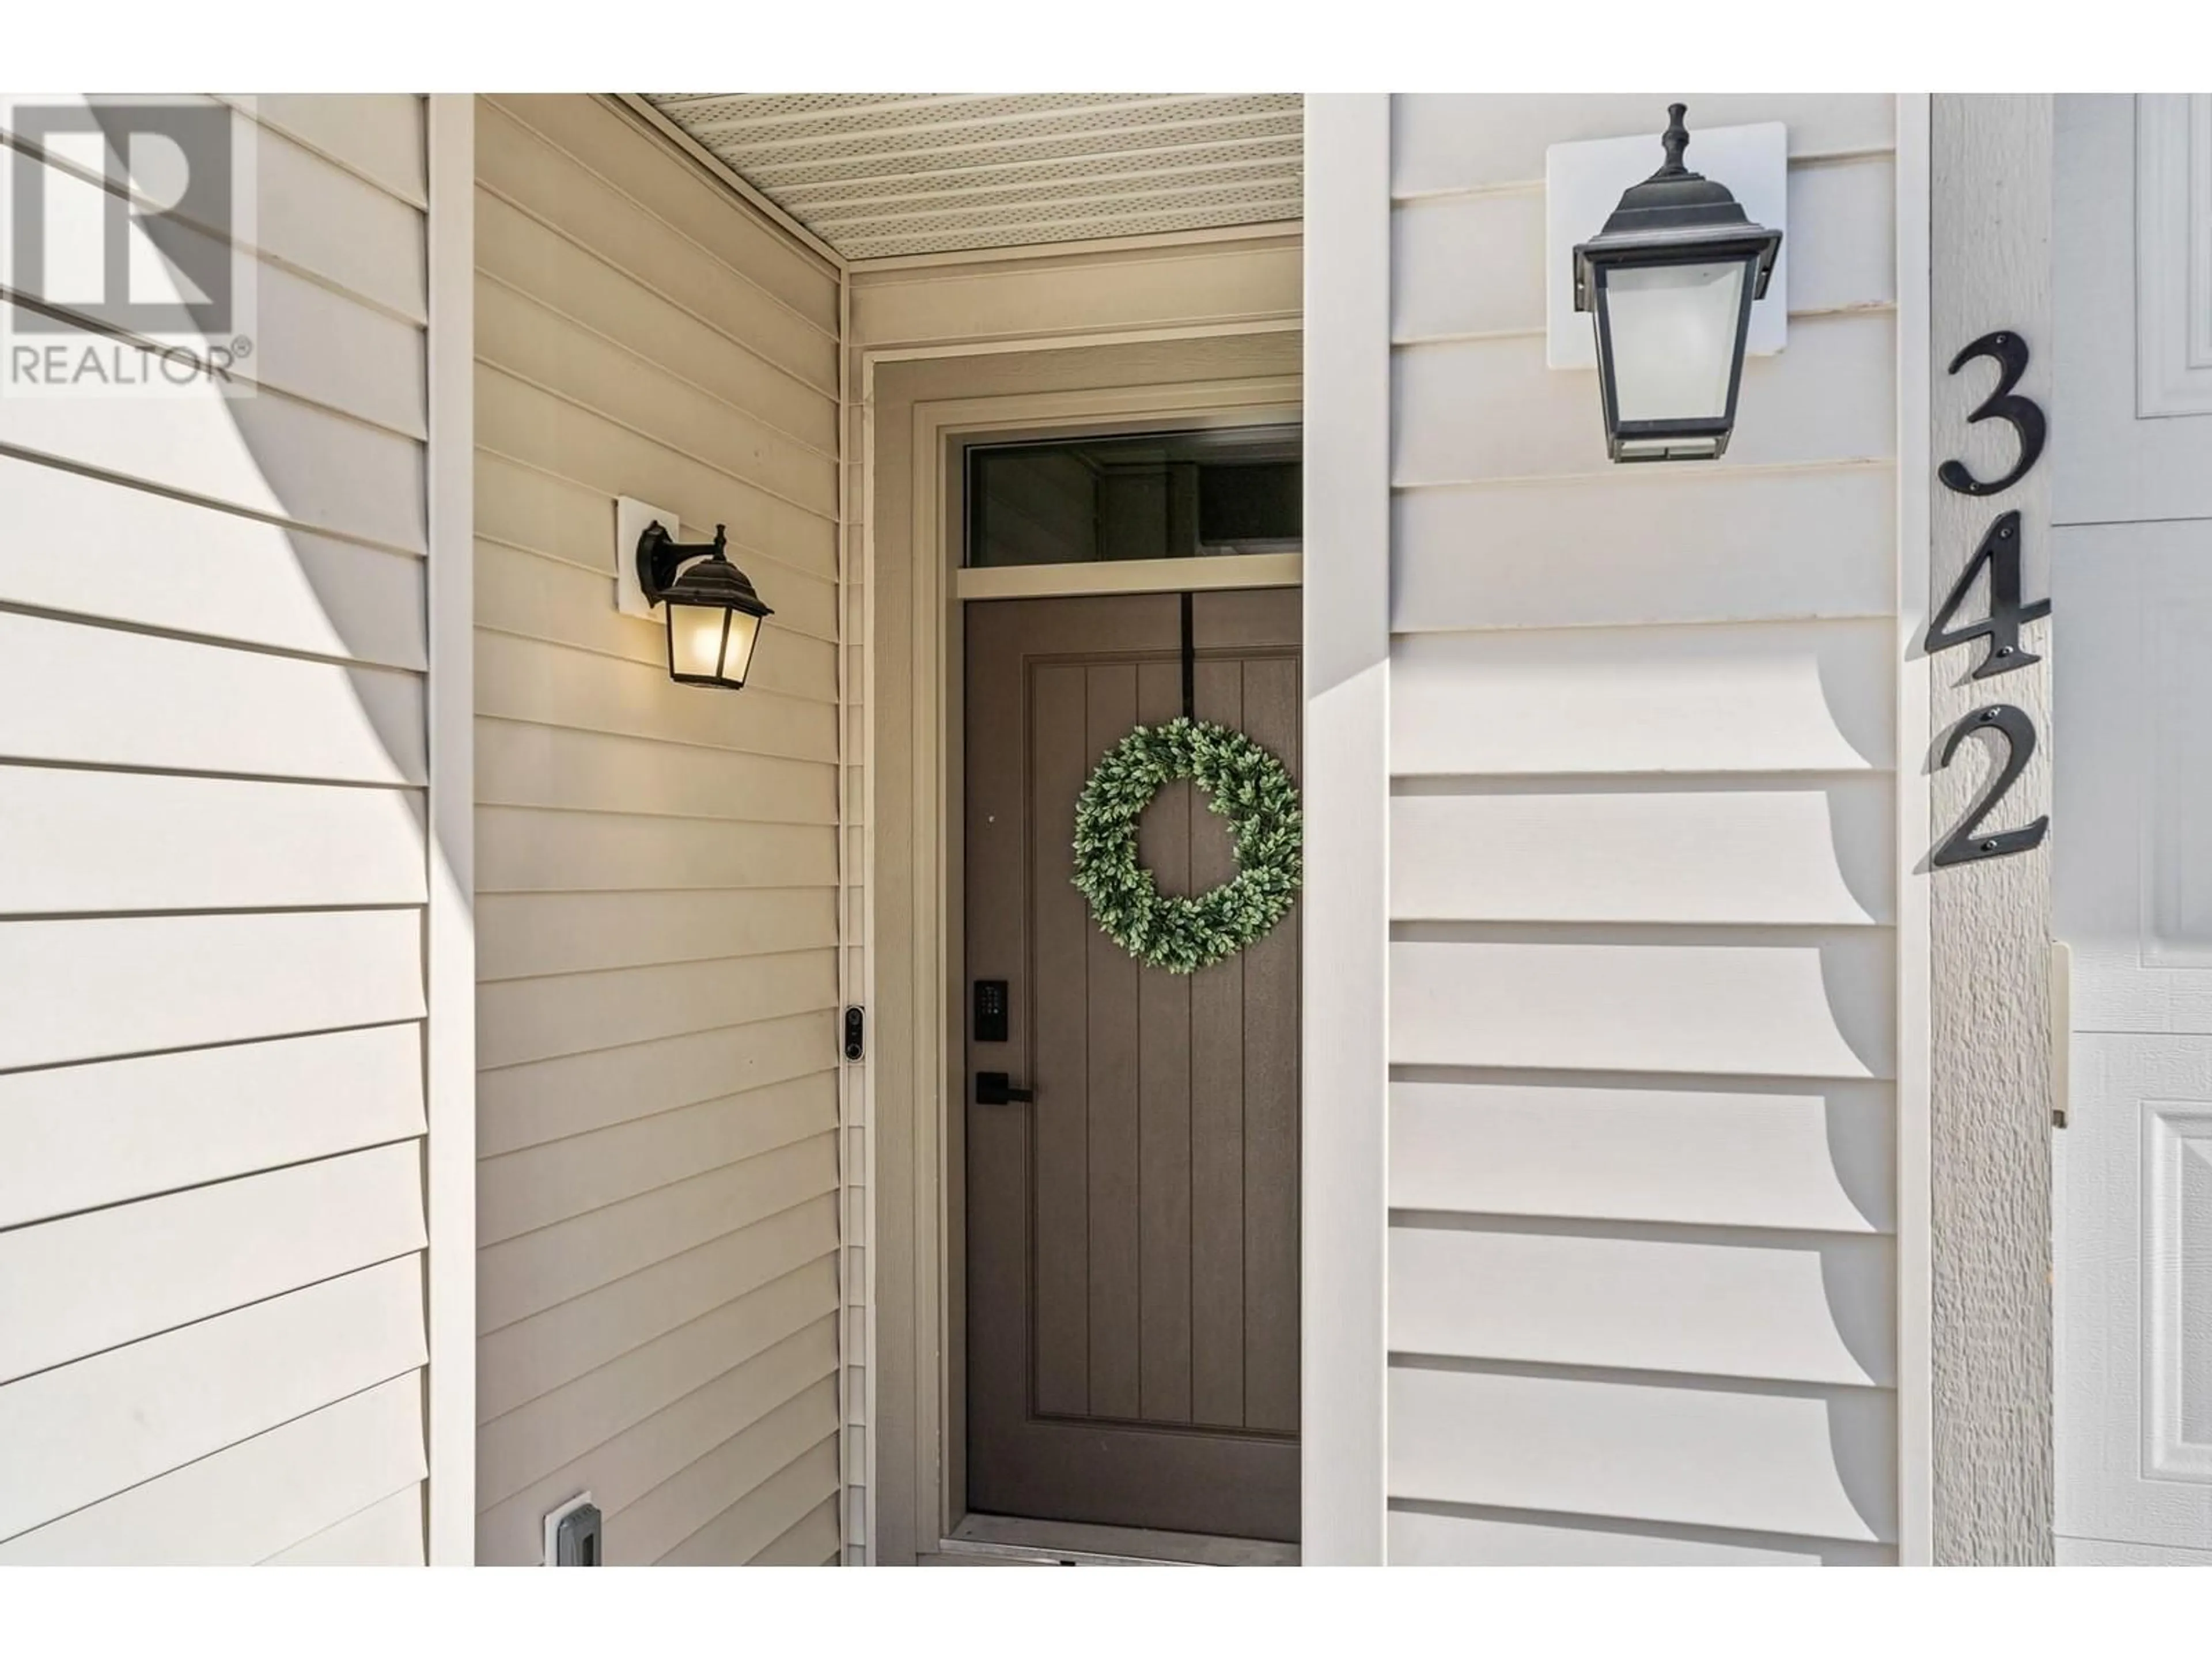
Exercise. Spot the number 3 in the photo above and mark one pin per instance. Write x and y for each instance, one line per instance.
(2023, 415)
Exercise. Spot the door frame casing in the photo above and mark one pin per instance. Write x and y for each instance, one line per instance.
(930, 1370)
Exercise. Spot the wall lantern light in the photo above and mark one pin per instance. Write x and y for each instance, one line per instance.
(1671, 279)
(714, 614)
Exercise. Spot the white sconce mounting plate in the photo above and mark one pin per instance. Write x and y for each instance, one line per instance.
(1582, 184)
(632, 516)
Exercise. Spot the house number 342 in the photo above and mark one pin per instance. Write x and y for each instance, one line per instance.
(2000, 555)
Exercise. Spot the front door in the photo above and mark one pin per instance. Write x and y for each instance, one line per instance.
(1132, 1291)
(2131, 827)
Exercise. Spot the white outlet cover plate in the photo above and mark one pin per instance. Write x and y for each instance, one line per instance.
(554, 1517)
(1583, 185)
(632, 517)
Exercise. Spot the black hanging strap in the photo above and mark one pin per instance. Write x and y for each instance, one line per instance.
(1189, 665)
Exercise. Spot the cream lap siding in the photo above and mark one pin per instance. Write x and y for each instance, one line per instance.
(213, 869)
(657, 865)
(1643, 1283)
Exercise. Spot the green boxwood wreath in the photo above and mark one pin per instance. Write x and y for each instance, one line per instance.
(1246, 785)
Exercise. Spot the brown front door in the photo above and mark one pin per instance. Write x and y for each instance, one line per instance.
(1132, 1231)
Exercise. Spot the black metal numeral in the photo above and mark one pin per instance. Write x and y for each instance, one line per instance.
(1967, 843)
(2000, 550)
(2023, 415)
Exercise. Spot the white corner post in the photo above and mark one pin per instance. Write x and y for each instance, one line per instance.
(1346, 1064)
(449, 955)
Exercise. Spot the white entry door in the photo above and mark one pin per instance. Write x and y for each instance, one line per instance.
(2131, 837)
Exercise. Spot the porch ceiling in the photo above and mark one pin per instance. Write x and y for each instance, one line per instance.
(880, 174)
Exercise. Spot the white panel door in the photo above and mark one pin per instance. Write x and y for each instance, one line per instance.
(2131, 584)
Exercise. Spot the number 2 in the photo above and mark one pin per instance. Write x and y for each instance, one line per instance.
(2000, 550)
(1966, 843)
(2023, 415)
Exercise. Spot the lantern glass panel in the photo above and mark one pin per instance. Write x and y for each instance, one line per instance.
(1673, 331)
(738, 655)
(694, 641)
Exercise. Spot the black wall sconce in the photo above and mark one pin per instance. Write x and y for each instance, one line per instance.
(713, 614)
(1671, 279)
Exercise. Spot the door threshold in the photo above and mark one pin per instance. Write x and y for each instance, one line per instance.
(1085, 1544)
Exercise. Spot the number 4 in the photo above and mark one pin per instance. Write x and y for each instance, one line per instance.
(2000, 550)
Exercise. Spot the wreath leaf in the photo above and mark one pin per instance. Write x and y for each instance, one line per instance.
(1246, 785)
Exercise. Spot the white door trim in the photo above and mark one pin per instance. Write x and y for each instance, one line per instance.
(935, 713)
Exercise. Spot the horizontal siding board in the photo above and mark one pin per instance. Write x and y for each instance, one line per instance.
(537, 345)
(741, 1533)
(305, 339)
(102, 989)
(1819, 1463)
(549, 600)
(524, 850)
(637, 162)
(526, 680)
(658, 981)
(812, 1542)
(1782, 697)
(254, 1499)
(544, 182)
(523, 935)
(165, 1261)
(527, 1275)
(573, 442)
(525, 507)
(1240, 280)
(182, 568)
(538, 1185)
(337, 226)
(674, 1523)
(1645, 546)
(528, 1104)
(653, 1459)
(1761, 1001)
(1437, 1537)
(1811, 853)
(268, 454)
(381, 135)
(313, 215)
(74, 1435)
(1460, 141)
(524, 764)
(142, 701)
(80, 841)
(574, 1423)
(1469, 265)
(526, 257)
(1464, 411)
(1762, 1154)
(671, 1327)
(389, 1533)
(1804, 1308)
(1843, 234)
(84, 1136)
(523, 1020)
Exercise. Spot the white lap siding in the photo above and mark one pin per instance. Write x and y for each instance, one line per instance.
(213, 762)
(657, 863)
(1643, 1275)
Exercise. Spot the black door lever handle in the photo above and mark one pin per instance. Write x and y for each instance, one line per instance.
(993, 1090)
